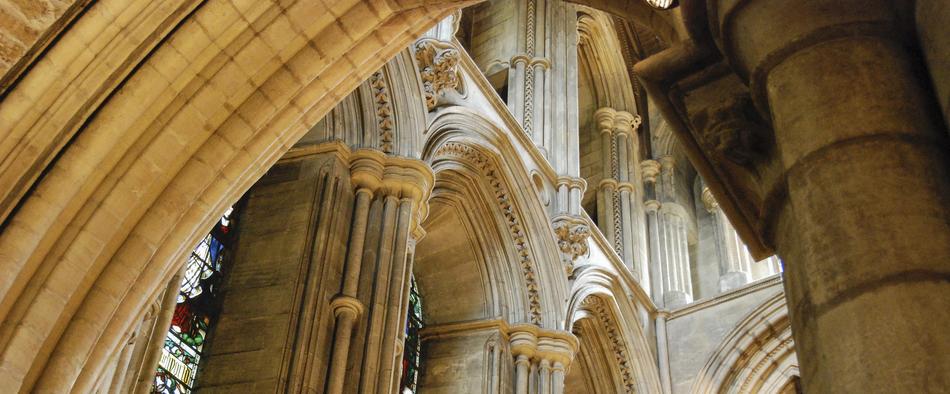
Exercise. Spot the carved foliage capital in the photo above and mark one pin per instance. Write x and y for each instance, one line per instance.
(438, 66)
(572, 234)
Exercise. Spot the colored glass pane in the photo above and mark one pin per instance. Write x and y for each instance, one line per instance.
(412, 347)
(195, 311)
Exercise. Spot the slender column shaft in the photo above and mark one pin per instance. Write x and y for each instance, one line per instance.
(341, 345)
(122, 368)
(656, 270)
(521, 374)
(544, 377)
(662, 354)
(557, 378)
(381, 293)
(156, 342)
(398, 289)
(345, 321)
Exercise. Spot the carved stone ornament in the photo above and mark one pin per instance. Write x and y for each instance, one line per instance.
(709, 201)
(572, 234)
(733, 130)
(438, 66)
(384, 110)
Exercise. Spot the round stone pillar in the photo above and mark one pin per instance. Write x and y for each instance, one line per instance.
(862, 216)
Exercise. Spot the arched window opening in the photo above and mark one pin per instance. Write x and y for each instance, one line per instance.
(198, 306)
(412, 346)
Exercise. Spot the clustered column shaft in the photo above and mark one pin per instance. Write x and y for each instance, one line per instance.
(668, 223)
(619, 202)
(400, 186)
(736, 265)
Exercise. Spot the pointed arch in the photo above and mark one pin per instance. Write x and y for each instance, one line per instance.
(611, 325)
(758, 355)
(461, 142)
(166, 115)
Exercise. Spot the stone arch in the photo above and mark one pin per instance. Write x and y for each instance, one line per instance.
(386, 112)
(758, 355)
(167, 115)
(460, 142)
(599, 54)
(612, 330)
(667, 24)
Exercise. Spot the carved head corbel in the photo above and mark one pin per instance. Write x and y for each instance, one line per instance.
(733, 130)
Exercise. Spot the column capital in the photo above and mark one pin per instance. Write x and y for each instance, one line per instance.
(652, 205)
(572, 182)
(625, 187)
(667, 162)
(523, 340)
(608, 183)
(610, 120)
(557, 346)
(709, 201)
(520, 58)
(650, 169)
(366, 169)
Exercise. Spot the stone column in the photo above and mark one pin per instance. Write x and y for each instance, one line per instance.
(862, 205)
(365, 173)
(619, 200)
(735, 262)
(403, 190)
(662, 353)
(546, 352)
(668, 222)
(331, 308)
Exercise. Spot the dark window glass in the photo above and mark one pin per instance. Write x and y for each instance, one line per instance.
(412, 348)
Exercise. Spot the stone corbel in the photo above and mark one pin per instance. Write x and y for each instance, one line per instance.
(438, 63)
(733, 130)
(572, 235)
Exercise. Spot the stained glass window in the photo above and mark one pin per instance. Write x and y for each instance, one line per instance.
(195, 311)
(412, 347)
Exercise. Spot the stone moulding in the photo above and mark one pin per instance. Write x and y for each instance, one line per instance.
(605, 318)
(512, 220)
(384, 110)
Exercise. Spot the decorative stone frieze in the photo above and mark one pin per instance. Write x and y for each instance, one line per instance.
(385, 121)
(438, 66)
